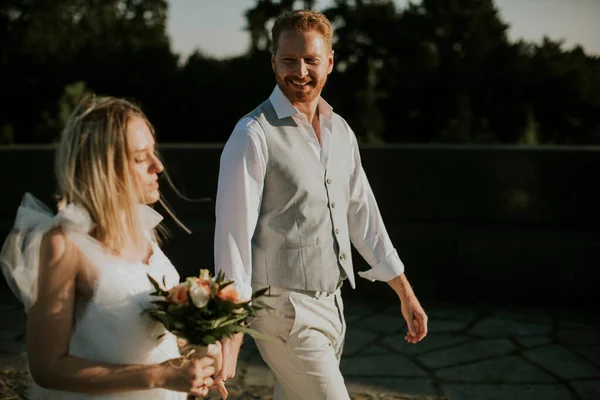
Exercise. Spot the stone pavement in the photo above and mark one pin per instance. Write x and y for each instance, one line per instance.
(471, 353)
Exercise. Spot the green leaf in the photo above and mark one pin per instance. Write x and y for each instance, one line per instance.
(259, 293)
(254, 333)
(209, 339)
(155, 284)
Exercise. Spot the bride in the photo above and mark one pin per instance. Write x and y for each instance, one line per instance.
(81, 274)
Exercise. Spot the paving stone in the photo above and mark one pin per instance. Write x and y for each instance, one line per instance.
(447, 326)
(469, 352)
(576, 319)
(506, 369)
(527, 315)
(453, 314)
(259, 375)
(357, 312)
(356, 341)
(499, 327)
(393, 386)
(374, 349)
(431, 342)
(12, 347)
(588, 390)
(381, 323)
(506, 392)
(592, 354)
(562, 362)
(529, 342)
(588, 338)
(12, 334)
(384, 365)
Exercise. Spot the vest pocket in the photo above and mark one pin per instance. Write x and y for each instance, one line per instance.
(296, 262)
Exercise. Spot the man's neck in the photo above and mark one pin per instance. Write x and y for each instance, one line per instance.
(311, 112)
(308, 109)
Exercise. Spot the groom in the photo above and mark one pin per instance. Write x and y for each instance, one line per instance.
(292, 196)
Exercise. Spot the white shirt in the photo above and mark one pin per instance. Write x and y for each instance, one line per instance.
(239, 195)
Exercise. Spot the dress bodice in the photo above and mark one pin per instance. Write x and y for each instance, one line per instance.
(110, 327)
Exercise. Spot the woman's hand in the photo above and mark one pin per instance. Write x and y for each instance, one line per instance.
(193, 376)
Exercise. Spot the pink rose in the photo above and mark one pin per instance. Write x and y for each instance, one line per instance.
(179, 294)
(205, 283)
(228, 293)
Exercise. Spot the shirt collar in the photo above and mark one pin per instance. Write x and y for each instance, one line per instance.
(284, 108)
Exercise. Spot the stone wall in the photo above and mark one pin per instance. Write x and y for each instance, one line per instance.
(500, 225)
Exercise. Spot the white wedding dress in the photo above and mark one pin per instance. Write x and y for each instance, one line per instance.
(111, 327)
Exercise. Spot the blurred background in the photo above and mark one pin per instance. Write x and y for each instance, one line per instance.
(443, 71)
(479, 122)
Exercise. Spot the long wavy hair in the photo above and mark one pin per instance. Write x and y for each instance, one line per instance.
(94, 168)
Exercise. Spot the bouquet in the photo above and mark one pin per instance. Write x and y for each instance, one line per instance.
(204, 309)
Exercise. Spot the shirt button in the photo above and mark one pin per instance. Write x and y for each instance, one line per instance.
(337, 231)
(333, 204)
(329, 181)
(342, 257)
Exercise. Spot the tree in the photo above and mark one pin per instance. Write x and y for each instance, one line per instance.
(264, 12)
(116, 47)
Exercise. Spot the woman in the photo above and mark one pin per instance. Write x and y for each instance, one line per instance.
(82, 274)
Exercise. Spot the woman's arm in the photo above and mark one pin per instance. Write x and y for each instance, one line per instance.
(49, 325)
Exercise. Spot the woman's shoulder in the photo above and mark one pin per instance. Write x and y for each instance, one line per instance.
(58, 250)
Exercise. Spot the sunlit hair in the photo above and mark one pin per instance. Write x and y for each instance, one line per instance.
(301, 21)
(94, 168)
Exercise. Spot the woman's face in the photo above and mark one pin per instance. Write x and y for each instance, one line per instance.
(146, 165)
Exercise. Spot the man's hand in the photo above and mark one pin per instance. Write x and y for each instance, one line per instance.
(413, 313)
(230, 347)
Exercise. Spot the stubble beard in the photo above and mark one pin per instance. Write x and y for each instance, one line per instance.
(296, 95)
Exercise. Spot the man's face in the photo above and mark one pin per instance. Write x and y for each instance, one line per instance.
(301, 65)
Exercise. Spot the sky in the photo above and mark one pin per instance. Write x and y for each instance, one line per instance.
(216, 27)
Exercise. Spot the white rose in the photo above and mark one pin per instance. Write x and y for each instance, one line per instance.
(199, 296)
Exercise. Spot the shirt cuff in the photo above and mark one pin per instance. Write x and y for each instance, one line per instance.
(386, 270)
(244, 291)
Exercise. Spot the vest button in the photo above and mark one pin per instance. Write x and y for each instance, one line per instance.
(333, 204)
(342, 257)
(337, 231)
(329, 181)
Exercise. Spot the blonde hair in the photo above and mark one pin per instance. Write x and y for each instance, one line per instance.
(301, 21)
(94, 168)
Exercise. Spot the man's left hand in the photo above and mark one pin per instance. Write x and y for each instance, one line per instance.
(416, 319)
(413, 313)
(230, 347)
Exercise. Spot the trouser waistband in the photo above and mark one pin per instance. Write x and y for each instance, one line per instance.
(276, 290)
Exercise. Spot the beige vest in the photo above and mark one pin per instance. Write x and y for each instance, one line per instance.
(301, 240)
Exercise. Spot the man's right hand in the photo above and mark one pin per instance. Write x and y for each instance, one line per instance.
(230, 347)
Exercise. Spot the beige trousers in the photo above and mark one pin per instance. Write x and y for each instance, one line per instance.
(306, 332)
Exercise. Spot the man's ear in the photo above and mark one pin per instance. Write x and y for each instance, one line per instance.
(273, 61)
(330, 60)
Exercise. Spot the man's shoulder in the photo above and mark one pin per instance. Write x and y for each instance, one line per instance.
(260, 110)
(338, 118)
(251, 119)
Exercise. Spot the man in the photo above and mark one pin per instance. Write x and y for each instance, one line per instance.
(291, 197)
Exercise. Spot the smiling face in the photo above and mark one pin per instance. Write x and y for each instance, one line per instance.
(145, 163)
(301, 64)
